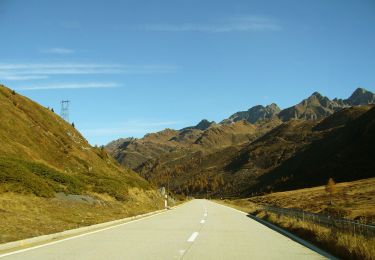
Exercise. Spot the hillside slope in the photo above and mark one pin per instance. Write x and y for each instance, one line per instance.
(50, 174)
(40, 153)
(135, 153)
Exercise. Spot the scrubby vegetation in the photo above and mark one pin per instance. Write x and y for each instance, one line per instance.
(30, 177)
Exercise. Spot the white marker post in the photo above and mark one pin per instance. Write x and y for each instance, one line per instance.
(166, 201)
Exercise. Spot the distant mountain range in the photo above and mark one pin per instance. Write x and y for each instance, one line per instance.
(246, 152)
(314, 107)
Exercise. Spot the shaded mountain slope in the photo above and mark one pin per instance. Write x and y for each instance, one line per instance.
(345, 154)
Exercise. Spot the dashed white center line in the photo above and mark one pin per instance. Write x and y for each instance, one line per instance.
(202, 221)
(205, 214)
(193, 237)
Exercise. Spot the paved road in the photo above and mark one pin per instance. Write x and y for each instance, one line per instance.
(199, 229)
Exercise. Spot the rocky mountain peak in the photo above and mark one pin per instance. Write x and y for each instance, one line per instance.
(273, 106)
(204, 124)
(254, 114)
(317, 97)
(317, 94)
(361, 96)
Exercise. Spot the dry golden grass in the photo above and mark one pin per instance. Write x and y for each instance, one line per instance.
(353, 200)
(341, 244)
(24, 216)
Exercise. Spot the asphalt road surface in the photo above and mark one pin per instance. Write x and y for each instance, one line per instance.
(199, 229)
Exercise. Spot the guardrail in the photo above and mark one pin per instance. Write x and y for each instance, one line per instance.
(353, 227)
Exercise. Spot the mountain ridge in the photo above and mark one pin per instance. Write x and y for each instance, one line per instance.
(199, 160)
(319, 106)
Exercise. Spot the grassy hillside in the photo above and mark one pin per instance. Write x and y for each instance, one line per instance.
(41, 154)
(46, 163)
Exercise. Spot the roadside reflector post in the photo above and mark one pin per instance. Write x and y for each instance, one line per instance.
(166, 201)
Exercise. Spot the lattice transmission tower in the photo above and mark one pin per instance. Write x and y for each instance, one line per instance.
(64, 113)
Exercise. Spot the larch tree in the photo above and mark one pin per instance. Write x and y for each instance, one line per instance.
(331, 189)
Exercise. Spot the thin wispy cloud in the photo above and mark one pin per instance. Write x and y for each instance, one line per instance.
(28, 71)
(57, 51)
(27, 77)
(133, 128)
(234, 24)
(87, 85)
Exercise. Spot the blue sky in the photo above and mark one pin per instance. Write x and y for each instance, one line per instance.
(132, 67)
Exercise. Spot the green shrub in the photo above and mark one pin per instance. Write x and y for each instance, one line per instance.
(30, 177)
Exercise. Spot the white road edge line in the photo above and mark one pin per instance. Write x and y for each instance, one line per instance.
(193, 237)
(202, 221)
(70, 238)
